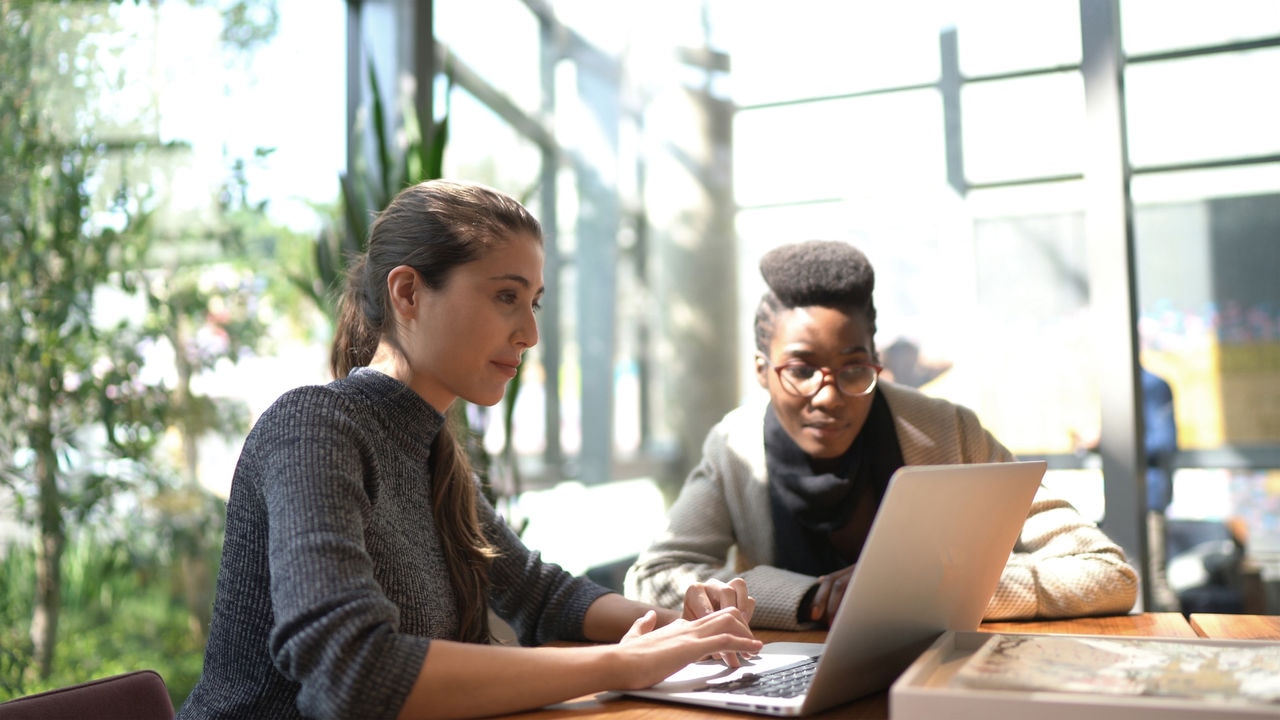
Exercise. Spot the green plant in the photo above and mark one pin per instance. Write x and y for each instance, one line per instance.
(382, 171)
(17, 566)
(77, 424)
(121, 611)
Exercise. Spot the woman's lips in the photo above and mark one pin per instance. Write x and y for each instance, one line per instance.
(506, 369)
(825, 430)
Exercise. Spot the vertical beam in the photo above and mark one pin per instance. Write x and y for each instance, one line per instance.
(1109, 228)
(355, 55)
(423, 39)
(689, 201)
(599, 92)
(405, 46)
(949, 87)
(549, 325)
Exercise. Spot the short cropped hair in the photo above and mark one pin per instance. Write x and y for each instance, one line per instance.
(824, 273)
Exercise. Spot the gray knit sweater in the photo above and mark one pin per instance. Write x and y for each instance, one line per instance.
(720, 526)
(332, 581)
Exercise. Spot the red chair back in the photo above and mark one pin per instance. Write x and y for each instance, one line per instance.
(138, 695)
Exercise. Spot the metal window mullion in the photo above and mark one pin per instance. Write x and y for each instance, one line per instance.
(1110, 243)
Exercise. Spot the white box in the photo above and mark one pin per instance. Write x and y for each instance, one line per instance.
(924, 692)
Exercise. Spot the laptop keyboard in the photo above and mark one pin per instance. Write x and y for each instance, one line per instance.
(784, 682)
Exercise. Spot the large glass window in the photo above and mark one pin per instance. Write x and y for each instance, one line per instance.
(949, 142)
(824, 49)
(1009, 327)
(1209, 314)
(1029, 127)
(849, 148)
(1203, 108)
(514, 71)
(1153, 26)
(1006, 36)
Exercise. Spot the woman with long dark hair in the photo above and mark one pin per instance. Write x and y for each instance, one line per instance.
(361, 561)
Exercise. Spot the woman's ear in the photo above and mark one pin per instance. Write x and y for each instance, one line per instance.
(402, 289)
(762, 371)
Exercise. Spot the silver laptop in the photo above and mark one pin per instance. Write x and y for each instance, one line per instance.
(931, 562)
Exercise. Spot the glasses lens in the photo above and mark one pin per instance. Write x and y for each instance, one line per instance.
(801, 379)
(856, 379)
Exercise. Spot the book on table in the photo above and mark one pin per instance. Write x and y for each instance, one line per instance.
(1125, 666)
(979, 675)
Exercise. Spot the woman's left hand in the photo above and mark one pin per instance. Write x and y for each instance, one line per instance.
(826, 601)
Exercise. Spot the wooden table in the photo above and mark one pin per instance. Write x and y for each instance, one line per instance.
(872, 707)
(1145, 625)
(1236, 627)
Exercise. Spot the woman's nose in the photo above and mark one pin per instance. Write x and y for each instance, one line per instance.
(828, 394)
(527, 334)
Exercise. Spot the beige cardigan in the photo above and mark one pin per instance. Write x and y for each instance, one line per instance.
(720, 526)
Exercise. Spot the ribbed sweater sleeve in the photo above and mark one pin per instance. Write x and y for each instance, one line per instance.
(539, 600)
(336, 633)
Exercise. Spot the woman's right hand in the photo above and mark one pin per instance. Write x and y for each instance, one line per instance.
(703, 598)
(650, 653)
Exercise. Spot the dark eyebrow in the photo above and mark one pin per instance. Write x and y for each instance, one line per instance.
(520, 279)
(804, 353)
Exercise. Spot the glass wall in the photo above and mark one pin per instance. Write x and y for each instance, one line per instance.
(949, 141)
(988, 279)
(668, 152)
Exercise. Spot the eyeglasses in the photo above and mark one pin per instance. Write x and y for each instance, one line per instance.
(804, 380)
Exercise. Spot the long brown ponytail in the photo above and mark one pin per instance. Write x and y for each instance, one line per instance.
(433, 227)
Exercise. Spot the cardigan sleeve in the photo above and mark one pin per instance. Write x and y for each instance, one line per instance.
(699, 544)
(719, 527)
(1063, 565)
(694, 547)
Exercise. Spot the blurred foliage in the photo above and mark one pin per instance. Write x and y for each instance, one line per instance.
(122, 610)
(99, 457)
(92, 433)
(65, 367)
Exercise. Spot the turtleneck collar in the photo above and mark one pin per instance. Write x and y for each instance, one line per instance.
(408, 415)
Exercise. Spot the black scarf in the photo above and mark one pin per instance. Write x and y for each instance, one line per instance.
(808, 507)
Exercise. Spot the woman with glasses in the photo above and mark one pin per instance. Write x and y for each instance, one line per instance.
(787, 486)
